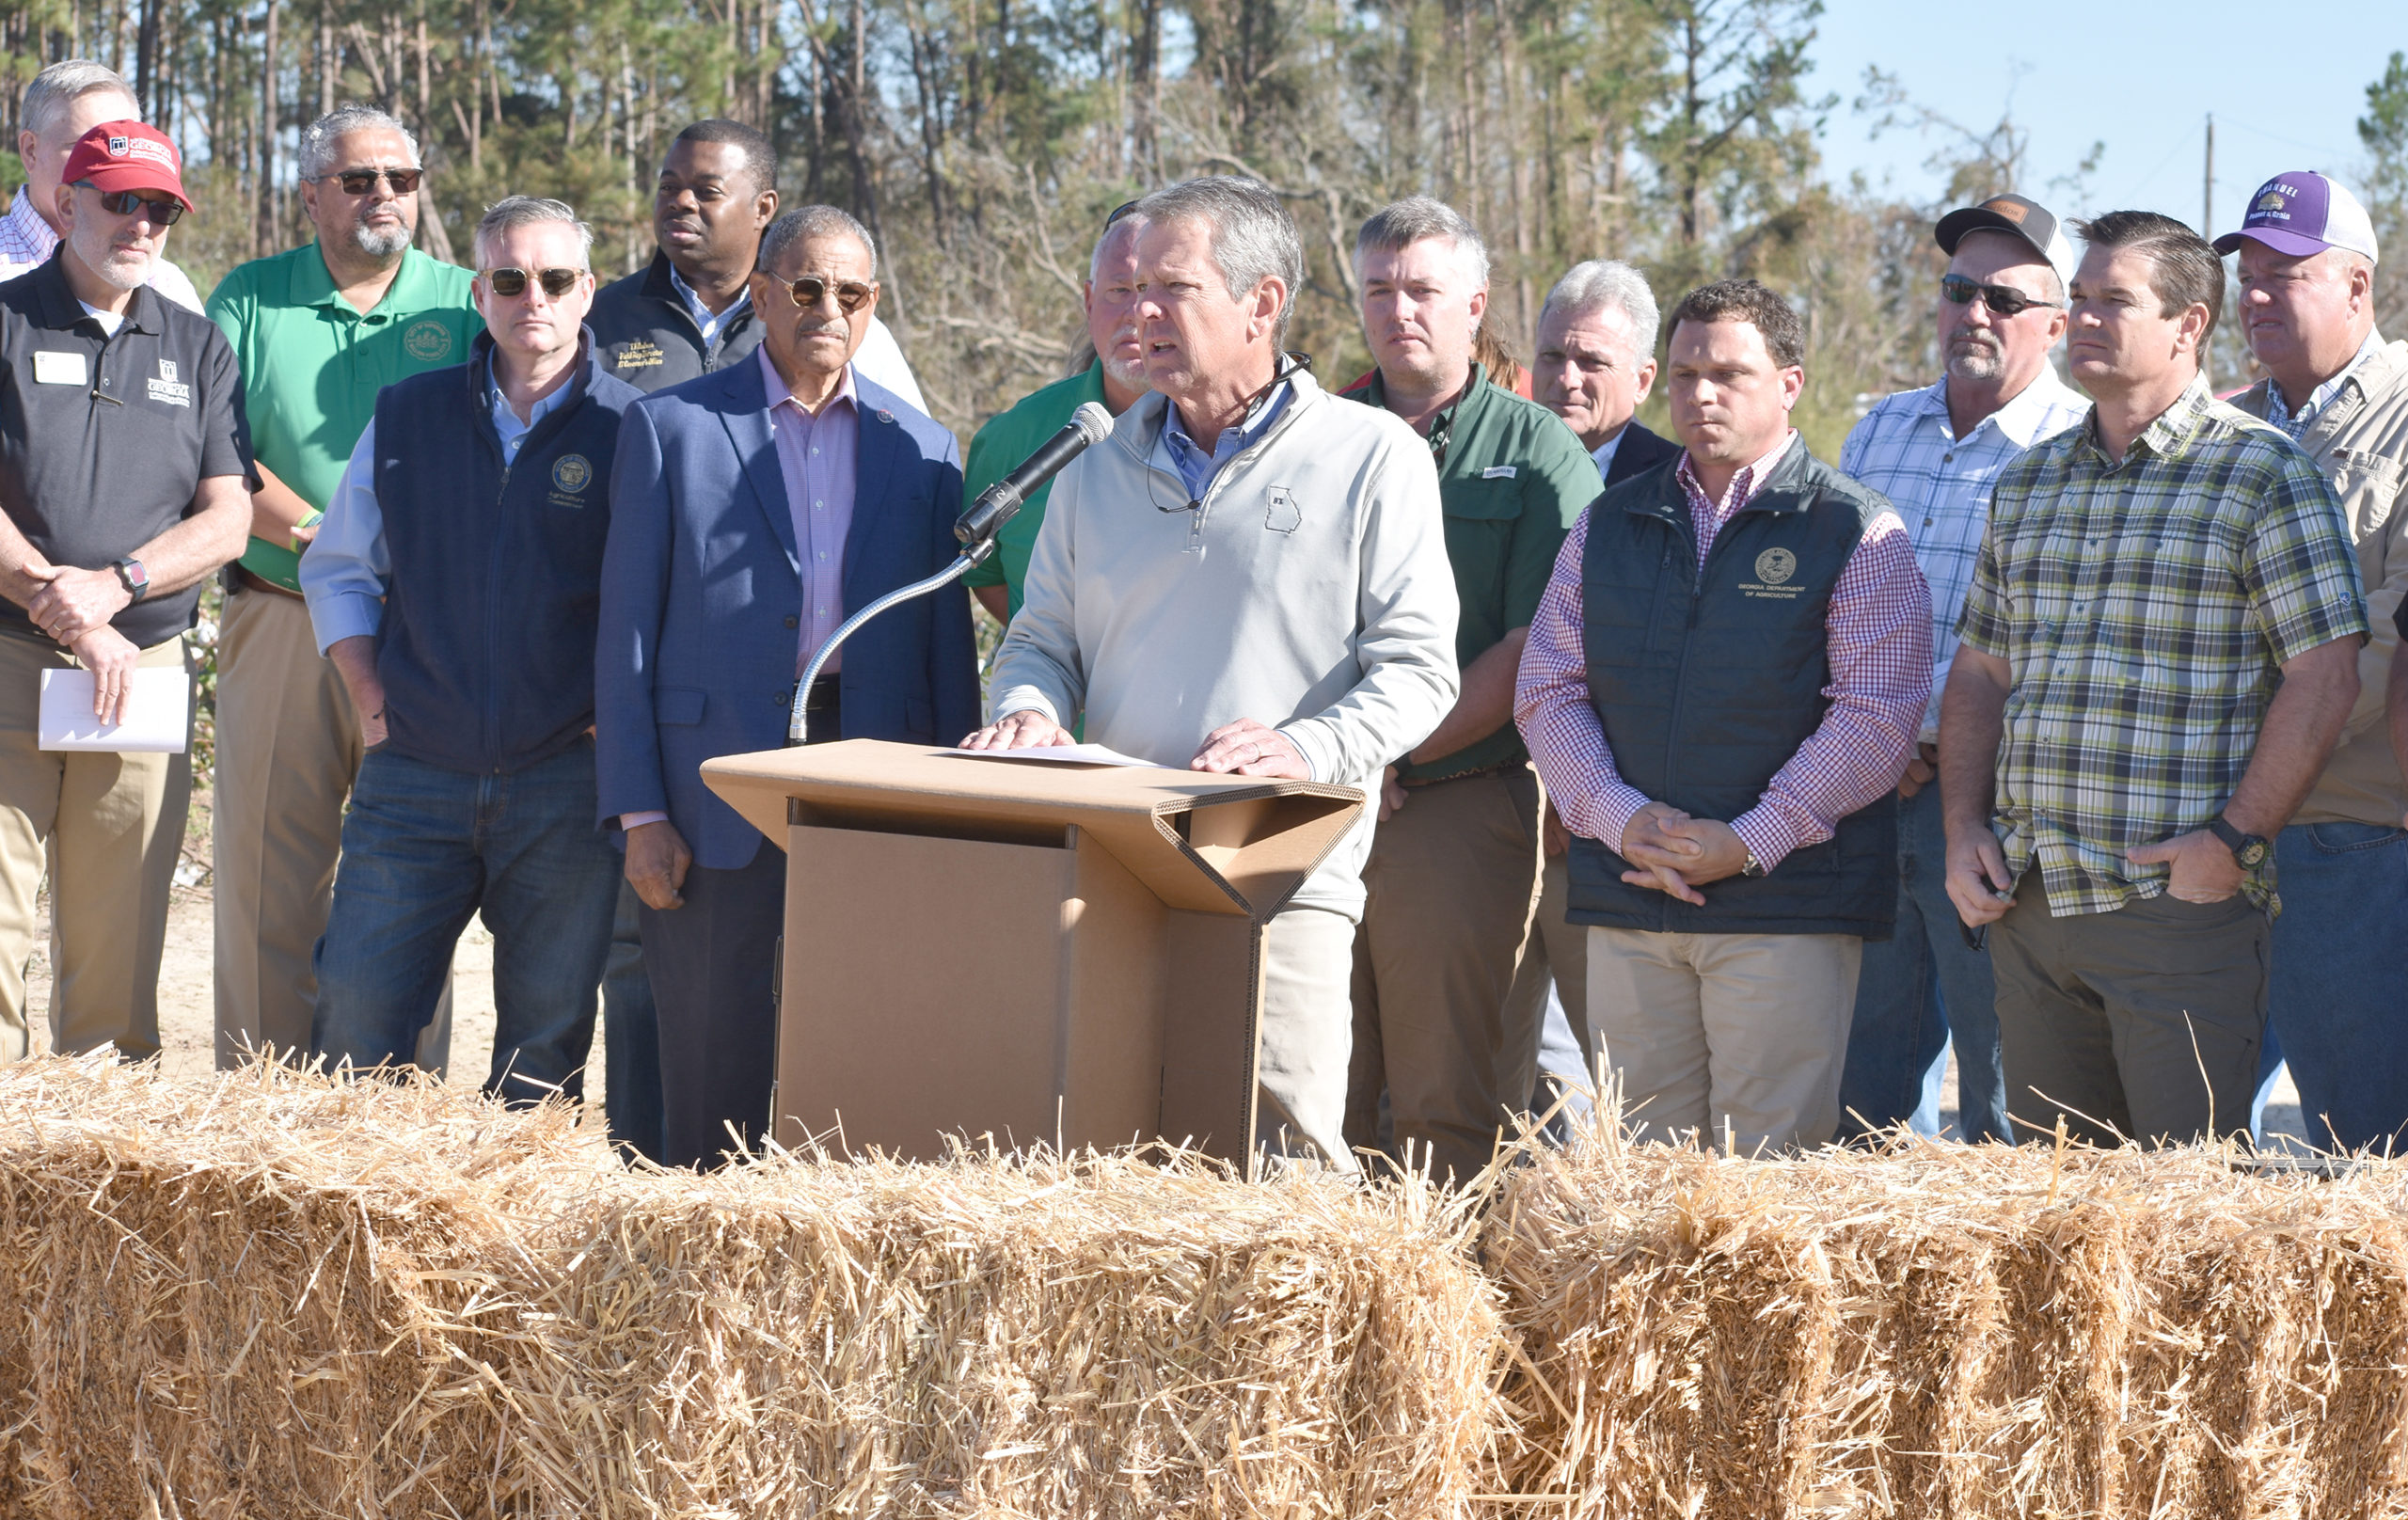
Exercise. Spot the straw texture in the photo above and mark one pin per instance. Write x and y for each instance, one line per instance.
(1953, 1331)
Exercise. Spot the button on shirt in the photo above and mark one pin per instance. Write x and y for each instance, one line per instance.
(1940, 486)
(1878, 689)
(816, 460)
(2296, 424)
(349, 565)
(707, 320)
(2146, 607)
(28, 242)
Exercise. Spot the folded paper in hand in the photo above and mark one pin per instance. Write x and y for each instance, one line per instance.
(158, 705)
(1072, 754)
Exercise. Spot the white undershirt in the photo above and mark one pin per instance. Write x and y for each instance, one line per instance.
(110, 320)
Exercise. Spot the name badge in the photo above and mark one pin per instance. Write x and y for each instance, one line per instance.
(54, 368)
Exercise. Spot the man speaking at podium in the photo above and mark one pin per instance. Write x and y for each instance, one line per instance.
(1249, 576)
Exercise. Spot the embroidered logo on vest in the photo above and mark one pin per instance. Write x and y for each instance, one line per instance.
(571, 475)
(1773, 569)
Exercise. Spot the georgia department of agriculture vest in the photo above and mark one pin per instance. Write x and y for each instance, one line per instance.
(1708, 681)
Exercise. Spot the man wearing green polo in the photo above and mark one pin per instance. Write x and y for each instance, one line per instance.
(1454, 865)
(1115, 379)
(318, 332)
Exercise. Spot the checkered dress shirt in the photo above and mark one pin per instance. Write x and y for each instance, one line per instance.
(2147, 609)
(1940, 486)
(1877, 629)
(2278, 407)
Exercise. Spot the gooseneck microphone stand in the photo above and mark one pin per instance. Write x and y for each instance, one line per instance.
(969, 557)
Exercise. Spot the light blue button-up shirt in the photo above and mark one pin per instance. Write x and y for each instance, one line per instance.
(704, 318)
(1185, 457)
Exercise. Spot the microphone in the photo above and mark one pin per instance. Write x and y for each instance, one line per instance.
(1001, 502)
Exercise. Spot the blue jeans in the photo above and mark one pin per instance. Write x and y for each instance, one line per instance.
(2336, 994)
(1918, 990)
(424, 849)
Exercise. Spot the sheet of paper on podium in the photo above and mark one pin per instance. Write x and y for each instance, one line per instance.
(158, 705)
(1066, 754)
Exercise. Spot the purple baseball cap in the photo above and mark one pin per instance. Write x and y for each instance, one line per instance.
(2303, 214)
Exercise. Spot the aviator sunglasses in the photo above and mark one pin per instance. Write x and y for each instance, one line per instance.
(126, 202)
(511, 283)
(2002, 300)
(851, 294)
(363, 181)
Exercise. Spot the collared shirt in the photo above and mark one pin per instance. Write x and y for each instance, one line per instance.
(1187, 459)
(26, 242)
(1008, 438)
(2146, 607)
(312, 364)
(1602, 455)
(1511, 481)
(349, 564)
(2296, 424)
(1878, 685)
(704, 318)
(105, 437)
(815, 458)
(1941, 484)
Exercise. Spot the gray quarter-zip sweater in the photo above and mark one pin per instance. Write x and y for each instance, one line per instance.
(1309, 590)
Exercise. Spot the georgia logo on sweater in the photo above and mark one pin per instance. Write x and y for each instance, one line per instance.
(1284, 515)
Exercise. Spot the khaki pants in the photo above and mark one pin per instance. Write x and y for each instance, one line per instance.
(1740, 1036)
(287, 747)
(1450, 882)
(1557, 949)
(108, 828)
(1307, 961)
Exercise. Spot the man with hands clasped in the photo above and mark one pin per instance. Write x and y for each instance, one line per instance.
(2160, 648)
(1720, 690)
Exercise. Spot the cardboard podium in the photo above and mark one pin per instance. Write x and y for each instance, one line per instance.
(1022, 949)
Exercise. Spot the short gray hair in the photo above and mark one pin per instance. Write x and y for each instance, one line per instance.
(1418, 218)
(514, 212)
(60, 85)
(1252, 236)
(1598, 283)
(812, 221)
(316, 159)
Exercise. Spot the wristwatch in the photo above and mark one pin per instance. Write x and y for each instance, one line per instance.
(136, 579)
(1754, 868)
(2249, 849)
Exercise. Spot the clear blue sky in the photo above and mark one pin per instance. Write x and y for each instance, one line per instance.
(2141, 77)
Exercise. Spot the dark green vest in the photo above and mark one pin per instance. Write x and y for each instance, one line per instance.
(1706, 683)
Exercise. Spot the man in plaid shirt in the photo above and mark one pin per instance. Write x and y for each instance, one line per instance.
(2160, 647)
(1936, 452)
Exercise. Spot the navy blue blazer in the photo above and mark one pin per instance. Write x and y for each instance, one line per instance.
(702, 595)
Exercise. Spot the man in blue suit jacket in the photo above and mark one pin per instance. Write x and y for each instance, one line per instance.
(752, 511)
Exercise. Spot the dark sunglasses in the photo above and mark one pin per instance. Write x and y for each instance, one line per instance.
(511, 283)
(2002, 300)
(126, 202)
(850, 296)
(363, 181)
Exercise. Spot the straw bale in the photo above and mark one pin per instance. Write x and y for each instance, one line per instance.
(1089, 1337)
(1953, 1331)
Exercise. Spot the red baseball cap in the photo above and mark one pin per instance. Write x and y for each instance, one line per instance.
(126, 155)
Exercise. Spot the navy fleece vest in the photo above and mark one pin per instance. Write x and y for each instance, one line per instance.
(486, 648)
(1706, 682)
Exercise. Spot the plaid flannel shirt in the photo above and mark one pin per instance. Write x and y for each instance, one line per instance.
(1941, 484)
(2146, 608)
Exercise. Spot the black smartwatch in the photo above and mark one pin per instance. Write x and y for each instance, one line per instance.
(136, 579)
(2249, 849)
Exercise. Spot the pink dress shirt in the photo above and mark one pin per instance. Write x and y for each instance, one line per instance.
(1878, 631)
(815, 457)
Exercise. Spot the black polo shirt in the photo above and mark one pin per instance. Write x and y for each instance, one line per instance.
(648, 338)
(106, 439)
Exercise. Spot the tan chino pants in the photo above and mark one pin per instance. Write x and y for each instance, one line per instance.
(107, 829)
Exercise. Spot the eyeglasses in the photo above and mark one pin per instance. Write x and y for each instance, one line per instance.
(126, 202)
(1118, 211)
(852, 296)
(512, 283)
(2003, 301)
(363, 181)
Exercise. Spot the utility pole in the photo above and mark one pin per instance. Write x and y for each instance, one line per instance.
(2208, 230)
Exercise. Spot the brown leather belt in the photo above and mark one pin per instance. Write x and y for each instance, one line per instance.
(238, 578)
(1498, 769)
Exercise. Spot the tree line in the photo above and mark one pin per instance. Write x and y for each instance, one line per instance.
(984, 141)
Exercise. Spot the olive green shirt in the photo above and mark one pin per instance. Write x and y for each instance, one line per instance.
(1008, 438)
(1511, 481)
(313, 365)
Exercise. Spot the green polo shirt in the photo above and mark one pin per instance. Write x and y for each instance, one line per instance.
(1511, 481)
(313, 365)
(1007, 438)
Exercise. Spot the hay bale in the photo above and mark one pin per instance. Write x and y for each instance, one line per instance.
(253, 1298)
(1942, 1330)
(1095, 1336)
